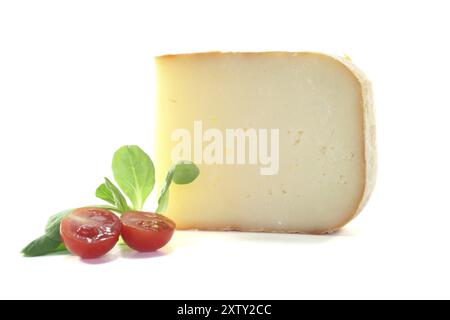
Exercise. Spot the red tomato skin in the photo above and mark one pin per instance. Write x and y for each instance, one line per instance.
(146, 240)
(89, 251)
(94, 249)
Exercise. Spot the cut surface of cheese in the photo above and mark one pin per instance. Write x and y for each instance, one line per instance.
(306, 163)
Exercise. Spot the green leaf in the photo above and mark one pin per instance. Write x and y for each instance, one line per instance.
(163, 201)
(104, 193)
(183, 172)
(119, 200)
(60, 248)
(51, 241)
(41, 246)
(134, 173)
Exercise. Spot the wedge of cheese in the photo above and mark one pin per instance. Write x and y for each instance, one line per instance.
(285, 141)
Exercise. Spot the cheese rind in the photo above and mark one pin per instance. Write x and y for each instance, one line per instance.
(322, 107)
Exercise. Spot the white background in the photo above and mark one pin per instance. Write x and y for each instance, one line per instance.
(77, 81)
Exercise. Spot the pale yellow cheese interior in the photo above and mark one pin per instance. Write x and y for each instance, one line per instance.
(320, 105)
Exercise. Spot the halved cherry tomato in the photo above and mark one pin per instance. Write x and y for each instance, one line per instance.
(90, 232)
(146, 231)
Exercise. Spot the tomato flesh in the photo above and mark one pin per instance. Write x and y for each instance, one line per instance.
(90, 232)
(146, 231)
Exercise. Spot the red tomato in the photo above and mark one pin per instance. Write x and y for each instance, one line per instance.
(145, 231)
(90, 232)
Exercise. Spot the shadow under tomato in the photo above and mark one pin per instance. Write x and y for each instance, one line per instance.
(110, 257)
(127, 253)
